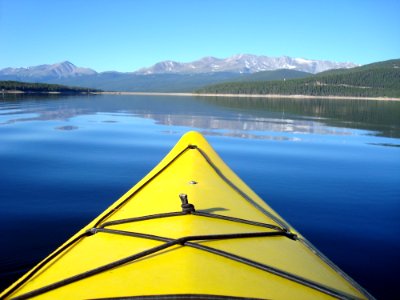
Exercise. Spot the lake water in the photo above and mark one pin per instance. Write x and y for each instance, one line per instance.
(331, 168)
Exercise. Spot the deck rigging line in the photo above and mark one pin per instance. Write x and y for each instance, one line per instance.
(187, 209)
(183, 241)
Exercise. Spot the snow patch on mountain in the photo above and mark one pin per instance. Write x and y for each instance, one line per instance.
(244, 63)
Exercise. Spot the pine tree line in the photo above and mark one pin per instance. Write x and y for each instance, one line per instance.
(28, 87)
(374, 81)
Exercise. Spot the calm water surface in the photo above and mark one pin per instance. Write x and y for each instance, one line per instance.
(331, 168)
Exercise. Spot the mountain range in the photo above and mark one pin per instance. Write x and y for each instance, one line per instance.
(244, 63)
(171, 76)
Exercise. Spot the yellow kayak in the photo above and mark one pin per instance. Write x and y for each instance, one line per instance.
(190, 229)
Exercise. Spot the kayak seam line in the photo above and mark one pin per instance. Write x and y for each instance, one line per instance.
(241, 193)
(38, 267)
(335, 268)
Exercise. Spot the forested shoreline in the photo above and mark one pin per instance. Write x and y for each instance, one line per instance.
(28, 87)
(374, 80)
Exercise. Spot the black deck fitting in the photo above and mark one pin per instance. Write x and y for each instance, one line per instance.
(186, 206)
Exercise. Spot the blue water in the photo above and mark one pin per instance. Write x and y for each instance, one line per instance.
(331, 168)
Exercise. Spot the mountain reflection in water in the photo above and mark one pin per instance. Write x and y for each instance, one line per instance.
(245, 118)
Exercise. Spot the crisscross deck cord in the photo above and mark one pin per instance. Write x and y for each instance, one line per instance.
(187, 208)
(196, 213)
(186, 241)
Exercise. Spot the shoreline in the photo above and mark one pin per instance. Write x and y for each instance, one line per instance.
(247, 96)
(18, 92)
(205, 95)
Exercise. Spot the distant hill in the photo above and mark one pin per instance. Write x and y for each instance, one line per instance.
(130, 82)
(380, 79)
(29, 87)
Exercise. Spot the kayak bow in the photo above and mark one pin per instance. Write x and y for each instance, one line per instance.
(190, 229)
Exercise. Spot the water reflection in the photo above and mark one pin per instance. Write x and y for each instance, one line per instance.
(251, 128)
(385, 144)
(245, 118)
(382, 117)
(67, 128)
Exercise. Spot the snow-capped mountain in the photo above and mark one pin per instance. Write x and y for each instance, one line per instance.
(244, 63)
(59, 70)
(241, 63)
(171, 75)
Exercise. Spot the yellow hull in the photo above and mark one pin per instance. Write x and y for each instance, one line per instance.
(189, 229)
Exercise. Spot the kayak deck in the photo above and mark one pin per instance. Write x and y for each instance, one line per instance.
(189, 229)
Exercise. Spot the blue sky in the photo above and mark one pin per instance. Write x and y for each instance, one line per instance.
(125, 35)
